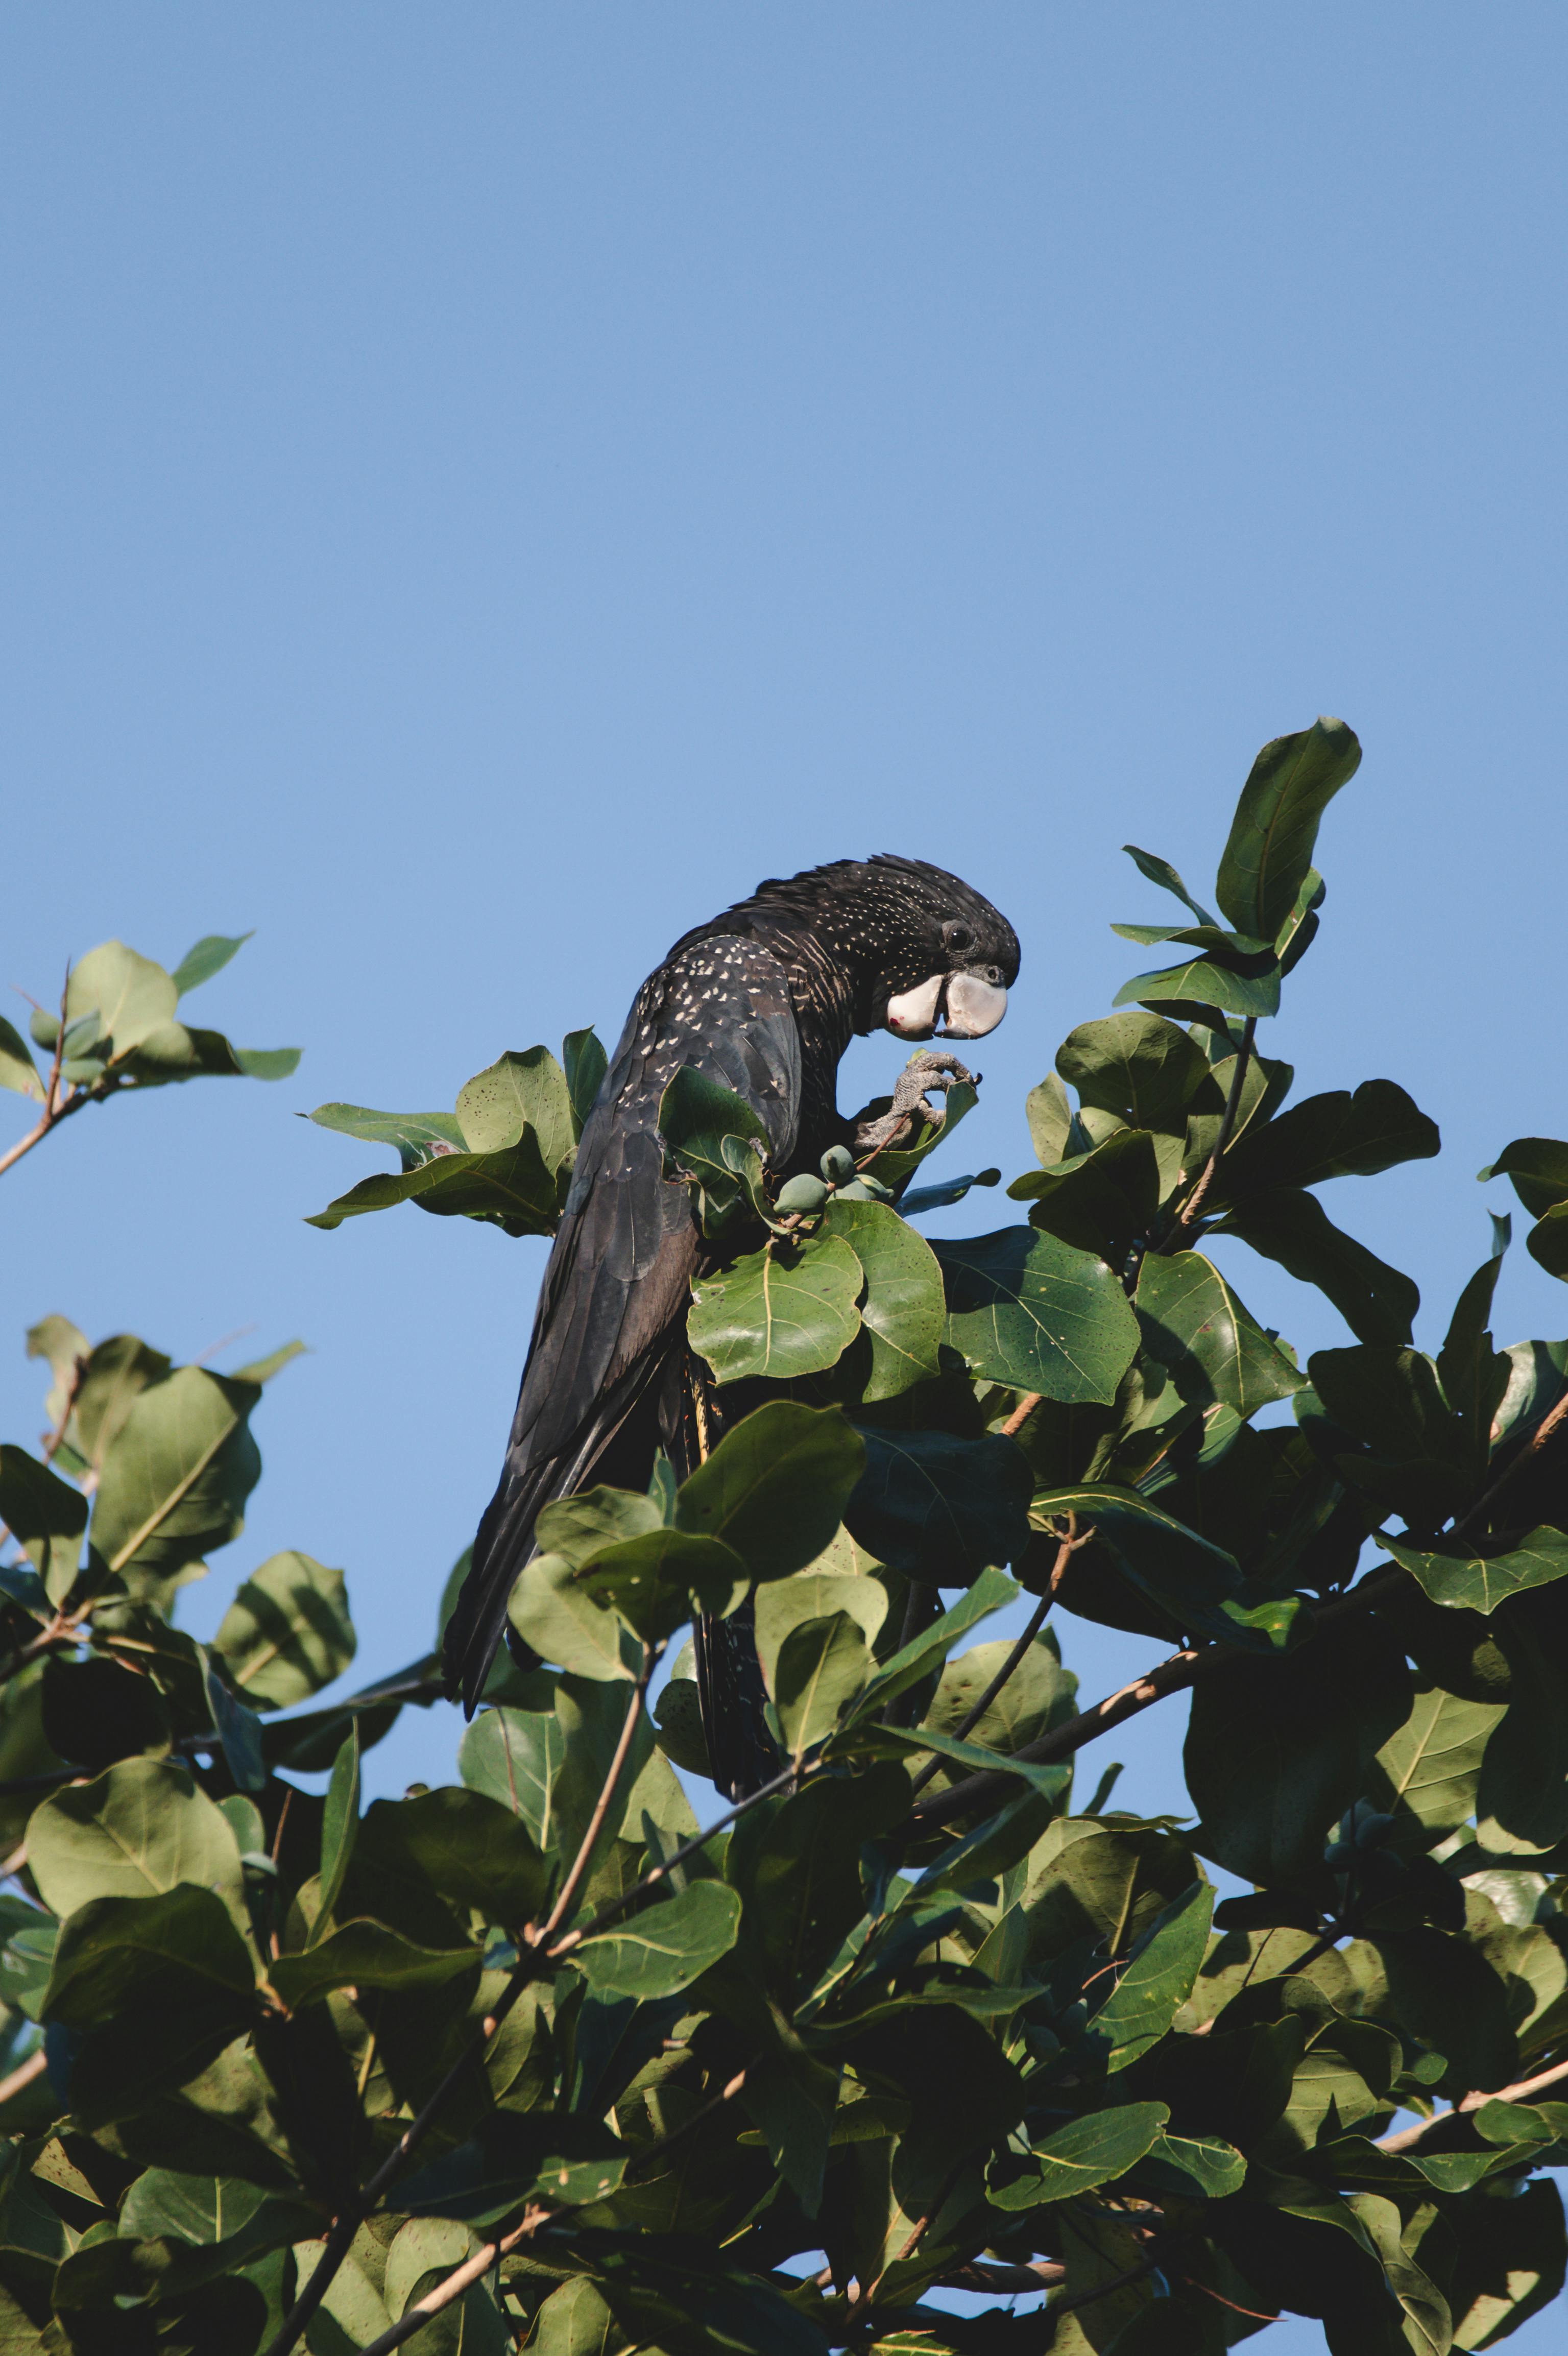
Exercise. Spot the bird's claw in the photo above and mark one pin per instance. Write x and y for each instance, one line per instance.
(934, 1067)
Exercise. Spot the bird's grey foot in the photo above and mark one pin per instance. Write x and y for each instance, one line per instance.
(934, 1067)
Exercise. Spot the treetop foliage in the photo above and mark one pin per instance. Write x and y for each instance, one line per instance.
(531, 2059)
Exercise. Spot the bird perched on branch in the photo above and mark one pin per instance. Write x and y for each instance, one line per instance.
(764, 1001)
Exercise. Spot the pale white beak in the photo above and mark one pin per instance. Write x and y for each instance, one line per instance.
(974, 1007)
(968, 1007)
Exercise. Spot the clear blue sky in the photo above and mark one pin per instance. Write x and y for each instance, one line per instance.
(482, 486)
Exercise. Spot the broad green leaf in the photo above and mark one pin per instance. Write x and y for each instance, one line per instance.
(1038, 1695)
(1101, 1200)
(363, 1954)
(469, 1847)
(1089, 2151)
(939, 1508)
(1277, 1747)
(1510, 2263)
(1275, 830)
(910, 1743)
(1474, 1376)
(511, 1189)
(339, 1827)
(1028, 1310)
(1156, 1984)
(551, 1611)
(1193, 1323)
(209, 956)
(415, 1135)
(175, 1476)
(821, 1666)
(717, 1140)
(1547, 1241)
(1522, 1799)
(425, 2245)
(575, 2321)
(1187, 1574)
(237, 1727)
(1464, 1580)
(1050, 1118)
(17, 1069)
(785, 1603)
(1160, 870)
(904, 1310)
(518, 1094)
(1426, 1773)
(510, 2160)
(45, 1516)
(1336, 1135)
(776, 1487)
(261, 1370)
(661, 1950)
(1203, 2165)
(1539, 1169)
(515, 1756)
(1136, 1065)
(133, 1832)
(165, 2205)
(583, 1527)
(130, 995)
(287, 1633)
(785, 1311)
(585, 1064)
(116, 1372)
(1291, 1226)
(663, 1577)
(915, 1661)
(115, 1949)
(1201, 982)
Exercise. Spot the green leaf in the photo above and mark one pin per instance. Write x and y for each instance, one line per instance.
(163, 2204)
(1275, 830)
(1539, 1169)
(575, 2321)
(416, 1135)
(1140, 1067)
(45, 1516)
(175, 1476)
(17, 1069)
(509, 2160)
(554, 1614)
(471, 1848)
(1474, 1376)
(1547, 1241)
(783, 1605)
(1287, 1224)
(719, 1141)
(1277, 1748)
(518, 1095)
(821, 1666)
(585, 1064)
(1336, 1135)
(209, 956)
(776, 1487)
(1426, 1773)
(1186, 1573)
(130, 995)
(287, 1633)
(112, 1949)
(1050, 1118)
(340, 1826)
(1203, 2165)
(1195, 1326)
(135, 1831)
(515, 1757)
(1510, 2262)
(1087, 2152)
(1203, 982)
(1038, 1695)
(1158, 1981)
(237, 1729)
(938, 1507)
(664, 1948)
(1160, 870)
(785, 1311)
(894, 1165)
(904, 1310)
(1101, 1200)
(582, 1528)
(1464, 1580)
(511, 1189)
(363, 1954)
(1029, 1310)
(915, 1661)
(663, 1577)
(261, 1370)
(116, 1372)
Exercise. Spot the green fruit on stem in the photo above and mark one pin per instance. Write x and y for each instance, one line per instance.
(837, 1165)
(802, 1194)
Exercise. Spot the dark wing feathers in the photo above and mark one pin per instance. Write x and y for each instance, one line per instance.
(613, 1300)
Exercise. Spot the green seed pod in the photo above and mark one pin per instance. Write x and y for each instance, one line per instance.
(877, 1191)
(802, 1194)
(857, 1191)
(837, 1165)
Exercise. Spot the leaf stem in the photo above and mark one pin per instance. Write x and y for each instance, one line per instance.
(1187, 1216)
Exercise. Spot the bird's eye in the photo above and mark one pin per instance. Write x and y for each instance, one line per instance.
(994, 976)
(957, 936)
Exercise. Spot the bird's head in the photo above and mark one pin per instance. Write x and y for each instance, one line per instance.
(925, 951)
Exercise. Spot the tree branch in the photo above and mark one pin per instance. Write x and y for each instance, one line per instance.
(1518, 2093)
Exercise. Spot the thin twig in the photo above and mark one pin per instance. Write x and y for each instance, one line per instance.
(1065, 1553)
(1527, 1454)
(1518, 2093)
(1187, 1216)
(56, 1107)
(1172, 1676)
(1022, 1414)
(24, 2075)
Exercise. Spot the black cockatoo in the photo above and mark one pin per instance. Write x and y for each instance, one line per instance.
(764, 999)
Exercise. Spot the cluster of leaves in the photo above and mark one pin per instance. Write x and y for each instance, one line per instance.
(531, 2060)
